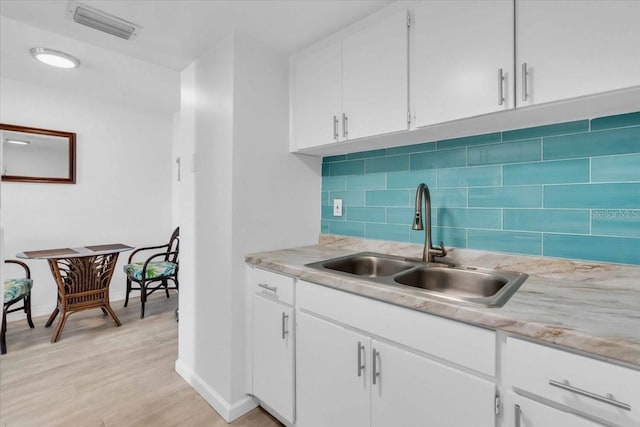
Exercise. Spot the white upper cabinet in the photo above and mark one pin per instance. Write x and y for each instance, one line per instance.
(375, 78)
(462, 63)
(573, 48)
(352, 88)
(317, 97)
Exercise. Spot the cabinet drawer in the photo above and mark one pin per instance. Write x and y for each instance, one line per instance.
(273, 285)
(598, 388)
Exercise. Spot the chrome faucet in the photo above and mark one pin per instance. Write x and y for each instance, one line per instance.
(429, 252)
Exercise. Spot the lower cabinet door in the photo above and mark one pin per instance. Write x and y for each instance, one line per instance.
(411, 391)
(273, 345)
(332, 387)
(529, 413)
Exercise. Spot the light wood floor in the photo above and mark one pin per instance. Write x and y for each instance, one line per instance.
(100, 375)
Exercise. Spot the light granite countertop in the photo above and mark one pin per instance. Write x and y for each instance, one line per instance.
(588, 307)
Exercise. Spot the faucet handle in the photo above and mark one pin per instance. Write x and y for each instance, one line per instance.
(444, 251)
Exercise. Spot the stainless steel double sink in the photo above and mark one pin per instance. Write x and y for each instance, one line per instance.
(482, 286)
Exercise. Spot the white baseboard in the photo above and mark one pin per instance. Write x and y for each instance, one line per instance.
(228, 411)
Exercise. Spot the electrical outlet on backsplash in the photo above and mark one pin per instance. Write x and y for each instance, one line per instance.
(567, 190)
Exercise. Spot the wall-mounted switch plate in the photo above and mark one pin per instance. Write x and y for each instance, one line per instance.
(337, 207)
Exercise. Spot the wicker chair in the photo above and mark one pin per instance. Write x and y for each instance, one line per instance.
(155, 272)
(16, 290)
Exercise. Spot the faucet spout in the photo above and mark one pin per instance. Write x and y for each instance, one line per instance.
(429, 252)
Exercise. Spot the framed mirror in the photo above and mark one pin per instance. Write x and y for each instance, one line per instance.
(38, 155)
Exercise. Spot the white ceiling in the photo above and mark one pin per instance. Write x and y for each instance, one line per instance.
(175, 33)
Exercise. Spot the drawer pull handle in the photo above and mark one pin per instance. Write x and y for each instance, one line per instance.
(285, 331)
(267, 287)
(566, 386)
(518, 413)
(375, 369)
(360, 363)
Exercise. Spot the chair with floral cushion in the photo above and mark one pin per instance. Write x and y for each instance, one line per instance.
(157, 271)
(16, 290)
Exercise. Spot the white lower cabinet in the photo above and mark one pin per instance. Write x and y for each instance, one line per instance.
(346, 378)
(273, 344)
(331, 388)
(525, 412)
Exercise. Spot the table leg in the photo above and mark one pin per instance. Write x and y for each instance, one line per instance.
(59, 327)
(52, 317)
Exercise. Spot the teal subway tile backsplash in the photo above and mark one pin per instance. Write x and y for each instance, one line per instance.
(349, 167)
(616, 222)
(597, 196)
(470, 218)
(608, 249)
(354, 213)
(409, 179)
(470, 141)
(505, 241)
(349, 198)
(547, 130)
(365, 154)
(438, 159)
(616, 168)
(506, 197)
(553, 172)
(402, 215)
(569, 190)
(393, 232)
(513, 152)
(621, 120)
(479, 176)
(599, 143)
(366, 182)
(549, 220)
(387, 164)
(389, 198)
(346, 228)
(415, 148)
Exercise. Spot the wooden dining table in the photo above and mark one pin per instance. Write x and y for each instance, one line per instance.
(82, 275)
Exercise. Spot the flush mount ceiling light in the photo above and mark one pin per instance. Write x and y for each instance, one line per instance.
(102, 21)
(55, 58)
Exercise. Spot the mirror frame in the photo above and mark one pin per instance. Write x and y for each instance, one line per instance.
(70, 136)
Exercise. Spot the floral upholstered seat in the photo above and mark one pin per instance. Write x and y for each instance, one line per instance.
(154, 269)
(16, 288)
(15, 291)
(161, 272)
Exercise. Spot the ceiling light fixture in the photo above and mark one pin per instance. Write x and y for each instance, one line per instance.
(102, 21)
(17, 141)
(55, 58)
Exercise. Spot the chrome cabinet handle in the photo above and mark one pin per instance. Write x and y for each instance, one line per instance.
(267, 287)
(374, 371)
(525, 74)
(517, 411)
(605, 399)
(345, 126)
(500, 87)
(360, 364)
(335, 128)
(285, 331)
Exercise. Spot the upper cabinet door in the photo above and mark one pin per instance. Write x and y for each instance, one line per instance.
(462, 60)
(317, 95)
(573, 48)
(375, 78)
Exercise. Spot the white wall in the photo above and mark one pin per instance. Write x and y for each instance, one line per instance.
(248, 193)
(123, 190)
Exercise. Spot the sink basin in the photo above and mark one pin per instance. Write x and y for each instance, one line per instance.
(475, 285)
(485, 286)
(367, 264)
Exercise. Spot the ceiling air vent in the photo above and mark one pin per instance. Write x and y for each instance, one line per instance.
(102, 21)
